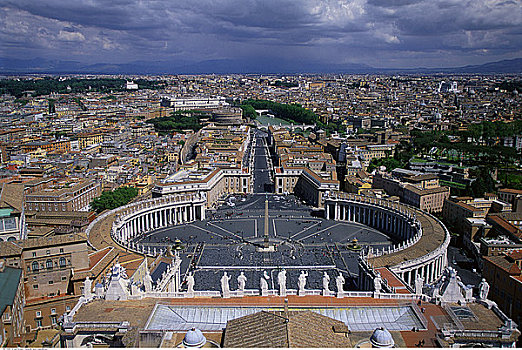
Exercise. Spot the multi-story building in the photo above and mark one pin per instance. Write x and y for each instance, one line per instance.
(62, 146)
(370, 152)
(305, 183)
(180, 104)
(213, 182)
(510, 195)
(457, 210)
(53, 270)
(421, 191)
(88, 139)
(64, 195)
(49, 262)
(504, 274)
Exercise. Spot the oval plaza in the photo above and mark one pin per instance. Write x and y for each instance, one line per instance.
(225, 252)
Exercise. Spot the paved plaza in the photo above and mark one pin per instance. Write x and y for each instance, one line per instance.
(231, 237)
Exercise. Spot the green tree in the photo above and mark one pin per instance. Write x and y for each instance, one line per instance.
(114, 199)
(483, 184)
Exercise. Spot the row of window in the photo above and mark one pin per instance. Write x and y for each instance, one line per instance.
(47, 252)
(35, 266)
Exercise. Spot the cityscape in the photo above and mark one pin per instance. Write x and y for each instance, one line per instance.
(259, 178)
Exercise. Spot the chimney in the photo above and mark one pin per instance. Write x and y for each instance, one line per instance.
(286, 308)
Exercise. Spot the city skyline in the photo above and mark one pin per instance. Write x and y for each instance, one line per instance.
(392, 34)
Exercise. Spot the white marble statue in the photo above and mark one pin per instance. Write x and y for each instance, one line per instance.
(241, 281)
(326, 283)
(87, 288)
(281, 279)
(483, 289)
(264, 283)
(377, 282)
(134, 289)
(147, 282)
(339, 281)
(190, 283)
(302, 282)
(225, 288)
(419, 283)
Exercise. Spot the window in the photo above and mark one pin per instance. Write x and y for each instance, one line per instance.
(38, 314)
(48, 252)
(62, 262)
(67, 308)
(49, 264)
(61, 250)
(64, 278)
(35, 266)
(34, 254)
(51, 282)
(53, 320)
(38, 323)
(53, 310)
(35, 286)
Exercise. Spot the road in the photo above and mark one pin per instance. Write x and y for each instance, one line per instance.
(262, 182)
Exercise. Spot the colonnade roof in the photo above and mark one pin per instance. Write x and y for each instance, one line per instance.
(433, 236)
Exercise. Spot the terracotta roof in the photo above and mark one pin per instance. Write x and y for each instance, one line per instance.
(510, 190)
(423, 192)
(505, 225)
(277, 329)
(12, 196)
(52, 241)
(503, 263)
(515, 254)
(9, 249)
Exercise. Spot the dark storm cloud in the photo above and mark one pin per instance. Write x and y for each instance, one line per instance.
(330, 30)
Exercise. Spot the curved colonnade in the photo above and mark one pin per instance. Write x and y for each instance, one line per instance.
(423, 239)
(421, 251)
(146, 216)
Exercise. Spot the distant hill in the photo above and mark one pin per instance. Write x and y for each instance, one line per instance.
(230, 66)
(505, 66)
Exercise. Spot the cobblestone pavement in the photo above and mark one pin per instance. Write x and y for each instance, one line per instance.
(231, 237)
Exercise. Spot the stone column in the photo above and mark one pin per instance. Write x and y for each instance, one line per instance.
(327, 211)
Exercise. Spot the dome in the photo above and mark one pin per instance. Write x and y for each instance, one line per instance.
(194, 339)
(381, 338)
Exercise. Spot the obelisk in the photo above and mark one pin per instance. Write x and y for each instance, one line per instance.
(266, 223)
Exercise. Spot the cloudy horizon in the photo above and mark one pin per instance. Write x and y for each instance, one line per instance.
(379, 33)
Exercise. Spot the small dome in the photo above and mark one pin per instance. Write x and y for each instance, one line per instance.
(381, 338)
(194, 339)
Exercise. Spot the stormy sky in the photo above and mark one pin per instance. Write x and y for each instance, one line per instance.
(380, 33)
